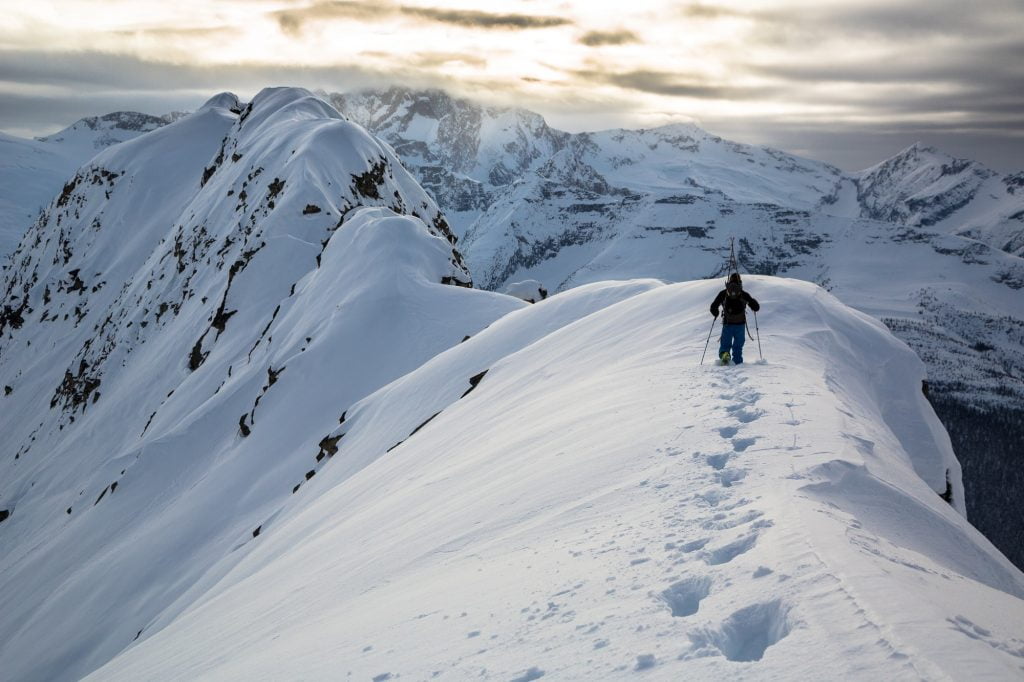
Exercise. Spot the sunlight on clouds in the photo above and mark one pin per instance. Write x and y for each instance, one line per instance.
(641, 62)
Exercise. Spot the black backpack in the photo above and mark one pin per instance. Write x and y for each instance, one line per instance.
(734, 305)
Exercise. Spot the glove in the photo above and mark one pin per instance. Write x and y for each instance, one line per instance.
(714, 313)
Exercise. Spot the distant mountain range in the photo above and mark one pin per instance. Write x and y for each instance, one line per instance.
(472, 156)
(531, 202)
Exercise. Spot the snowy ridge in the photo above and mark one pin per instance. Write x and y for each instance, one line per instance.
(655, 514)
(569, 209)
(33, 171)
(181, 328)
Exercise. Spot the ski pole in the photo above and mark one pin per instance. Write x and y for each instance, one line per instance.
(713, 320)
(758, 336)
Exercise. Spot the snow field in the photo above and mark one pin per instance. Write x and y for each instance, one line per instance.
(600, 505)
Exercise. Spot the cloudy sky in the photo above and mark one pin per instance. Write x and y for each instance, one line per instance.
(846, 81)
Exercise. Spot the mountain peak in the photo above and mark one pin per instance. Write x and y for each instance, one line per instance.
(98, 132)
(223, 100)
(919, 154)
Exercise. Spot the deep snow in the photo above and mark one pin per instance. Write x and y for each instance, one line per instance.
(600, 504)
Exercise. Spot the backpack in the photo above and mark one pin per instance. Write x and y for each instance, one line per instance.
(734, 307)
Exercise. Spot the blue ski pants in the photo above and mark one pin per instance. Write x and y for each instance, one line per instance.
(733, 336)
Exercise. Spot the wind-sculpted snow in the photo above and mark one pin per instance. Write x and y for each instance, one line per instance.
(568, 493)
(180, 328)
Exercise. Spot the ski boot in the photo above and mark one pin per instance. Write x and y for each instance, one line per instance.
(724, 357)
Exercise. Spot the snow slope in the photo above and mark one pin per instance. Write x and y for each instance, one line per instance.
(180, 330)
(599, 504)
(33, 171)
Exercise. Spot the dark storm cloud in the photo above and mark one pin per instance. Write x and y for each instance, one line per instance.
(927, 25)
(90, 72)
(984, 80)
(902, 21)
(88, 83)
(43, 92)
(597, 38)
(475, 19)
(292, 21)
(909, 19)
(1000, 63)
(672, 84)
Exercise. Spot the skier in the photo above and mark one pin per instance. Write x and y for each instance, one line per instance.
(734, 302)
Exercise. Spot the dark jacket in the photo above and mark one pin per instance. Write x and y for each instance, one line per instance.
(734, 306)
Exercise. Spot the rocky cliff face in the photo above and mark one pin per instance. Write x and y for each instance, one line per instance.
(461, 152)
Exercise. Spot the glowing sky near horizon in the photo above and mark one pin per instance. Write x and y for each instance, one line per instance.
(811, 77)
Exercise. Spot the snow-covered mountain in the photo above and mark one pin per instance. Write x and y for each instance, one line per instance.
(256, 425)
(182, 288)
(94, 133)
(468, 155)
(569, 209)
(462, 153)
(924, 187)
(32, 172)
(929, 243)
